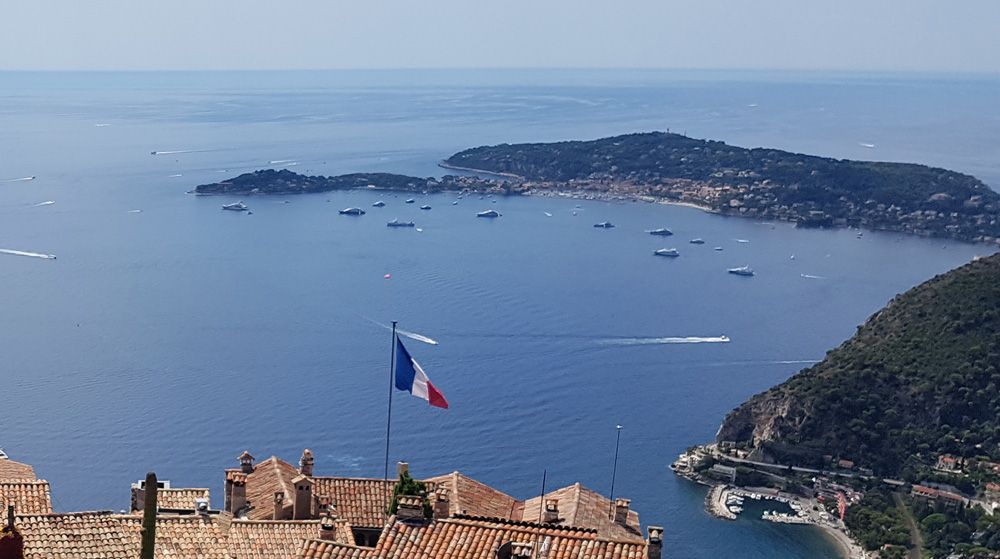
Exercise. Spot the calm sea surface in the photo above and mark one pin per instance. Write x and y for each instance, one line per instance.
(175, 337)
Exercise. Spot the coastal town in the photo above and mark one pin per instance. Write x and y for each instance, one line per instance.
(272, 509)
(823, 497)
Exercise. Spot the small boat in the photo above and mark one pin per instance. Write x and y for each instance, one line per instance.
(547, 214)
(425, 207)
(378, 204)
(718, 249)
(488, 213)
(604, 225)
(410, 200)
(235, 207)
(352, 211)
(398, 223)
(741, 271)
(697, 241)
(662, 232)
(666, 252)
(454, 203)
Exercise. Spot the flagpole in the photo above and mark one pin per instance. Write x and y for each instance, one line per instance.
(388, 418)
(614, 471)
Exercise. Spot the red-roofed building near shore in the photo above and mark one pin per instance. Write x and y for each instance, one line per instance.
(273, 510)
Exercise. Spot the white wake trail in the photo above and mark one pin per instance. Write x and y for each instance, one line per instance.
(665, 340)
(405, 333)
(45, 203)
(22, 179)
(23, 253)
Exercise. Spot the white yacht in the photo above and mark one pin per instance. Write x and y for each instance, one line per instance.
(236, 207)
(666, 252)
(741, 271)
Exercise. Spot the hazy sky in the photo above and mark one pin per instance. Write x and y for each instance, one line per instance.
(903, 35)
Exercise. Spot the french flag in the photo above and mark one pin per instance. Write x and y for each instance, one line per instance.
(410, 377)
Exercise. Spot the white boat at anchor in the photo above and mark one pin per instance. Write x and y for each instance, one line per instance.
(236, 207)
(742, 271)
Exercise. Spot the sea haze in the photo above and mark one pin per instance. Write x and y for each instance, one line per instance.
(174, 337)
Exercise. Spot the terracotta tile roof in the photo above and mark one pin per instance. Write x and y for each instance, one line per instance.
(179, 537)
(468, 496)
(180, 498)
(10, 469)
(269, 539)
(359, 501)
(105, 535)
(585, 508)
(83, 535)
(323, 549)
(29, 496)
(270, 477)
(480, 538)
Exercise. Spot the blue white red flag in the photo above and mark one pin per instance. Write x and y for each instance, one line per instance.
(410, 377)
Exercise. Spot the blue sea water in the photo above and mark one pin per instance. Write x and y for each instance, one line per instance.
(175, 337)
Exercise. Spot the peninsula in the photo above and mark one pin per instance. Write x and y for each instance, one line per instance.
(757, 183)
(760, 183)
(899, 424)
(284, 182)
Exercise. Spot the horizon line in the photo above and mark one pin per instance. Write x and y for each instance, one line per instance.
(755, 70)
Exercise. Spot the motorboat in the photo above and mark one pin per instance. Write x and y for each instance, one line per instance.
(741, 271)
(697, 241)
(398, 223)
(352, 211)
(666, 252)
(604, 225)
(235, 207)
(378, 204)
(488, 213)
(410, 200)
(425, 207)
(662, 232)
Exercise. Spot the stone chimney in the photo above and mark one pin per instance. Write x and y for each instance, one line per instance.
(621, 511)
(550, 514)
(306, 463)
(246, 462)
(441, 504)
(402, 468)
(237, 482)
(279, 506)
(654, 547)
(521, 550)
(410, 507)
(327, 528)
(302, 506)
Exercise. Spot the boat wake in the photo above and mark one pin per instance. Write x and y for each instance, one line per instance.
(22, 179)
(23, 253)
(663, 341)
(45, 203)
(178, 151)
(810, 276)
(405, 333)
